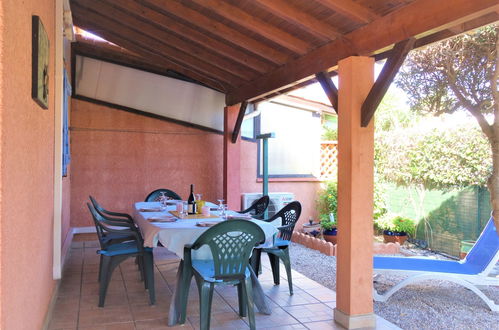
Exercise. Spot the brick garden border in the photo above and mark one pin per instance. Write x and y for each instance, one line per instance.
(329, 249)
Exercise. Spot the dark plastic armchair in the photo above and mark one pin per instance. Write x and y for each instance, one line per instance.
(231, 243)
(257, 209)
(113, 254)
(122, 218)
(154, 195)
(289, 215)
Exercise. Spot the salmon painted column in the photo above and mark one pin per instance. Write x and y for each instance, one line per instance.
(232, 160)
(354, 282)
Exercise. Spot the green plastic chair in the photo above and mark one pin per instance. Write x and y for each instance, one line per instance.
(113, 254)
(257, 209)
(231, 243)
(124, 220)
(289, 215)
(155, 194)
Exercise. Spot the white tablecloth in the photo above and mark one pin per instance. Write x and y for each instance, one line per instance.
(174, 235)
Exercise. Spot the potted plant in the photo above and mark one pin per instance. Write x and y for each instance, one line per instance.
(395, 228)
(329, 230)
(327, 204)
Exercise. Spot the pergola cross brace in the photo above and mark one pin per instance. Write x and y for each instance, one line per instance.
(385, 78)
(329, 88)
(239, 121)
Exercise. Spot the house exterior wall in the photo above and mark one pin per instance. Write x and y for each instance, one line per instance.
(119, 157)
(27, 171)
(305, 191)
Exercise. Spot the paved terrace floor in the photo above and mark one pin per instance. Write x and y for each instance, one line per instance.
(127, 307)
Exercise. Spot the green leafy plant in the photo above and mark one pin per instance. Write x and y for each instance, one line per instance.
(327, 201)
(327, 224)
(396, 224)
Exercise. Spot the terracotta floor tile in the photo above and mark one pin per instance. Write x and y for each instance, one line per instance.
(322, 294)
(104, 316)
(112, 300)
(114, 326)
(150, 312)
(93, 288)
(92, 277)
(310, 312)
(63, 320)
(324, 325)
(278, 318)
(306, 283)
(161, 324)
(221, 321)
(142, 298)
(299, 297)
(297, 326)
(67, 304)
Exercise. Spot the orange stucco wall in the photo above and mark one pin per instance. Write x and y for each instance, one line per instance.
(305, 191)
(119, 157)
(26, 171)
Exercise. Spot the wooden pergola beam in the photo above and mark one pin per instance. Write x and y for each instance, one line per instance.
(385, 78)
(125, 33)
(168, 43)
(418, 17)
(239, 121)
(329, 88)
(285, 10)
(223, 31)
(152, 56)
(170, 25)
(257, 25)
(351, 10)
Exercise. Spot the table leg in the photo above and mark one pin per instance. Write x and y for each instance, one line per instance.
(258, 295)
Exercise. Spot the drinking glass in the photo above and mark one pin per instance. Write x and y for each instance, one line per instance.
(223, 211)
(162, 201)
(184, 213)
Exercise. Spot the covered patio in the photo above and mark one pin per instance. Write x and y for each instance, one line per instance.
(243, 52)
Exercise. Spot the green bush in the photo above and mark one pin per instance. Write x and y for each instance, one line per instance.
(330, 134)
(396, 224)
(327, 202)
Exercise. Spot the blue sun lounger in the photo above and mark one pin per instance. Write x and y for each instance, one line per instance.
(471, 272)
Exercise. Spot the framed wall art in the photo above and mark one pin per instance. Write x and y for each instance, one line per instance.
(40, 63)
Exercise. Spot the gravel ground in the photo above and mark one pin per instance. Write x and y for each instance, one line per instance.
(425, 305)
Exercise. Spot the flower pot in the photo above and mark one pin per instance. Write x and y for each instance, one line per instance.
(330, 235)
(312, 229)
(465, 248)
(394, 237)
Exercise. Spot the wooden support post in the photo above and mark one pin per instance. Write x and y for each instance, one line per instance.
(239, 121)
(329, 88)
(385, 78)
(354, 306)
(232, 160)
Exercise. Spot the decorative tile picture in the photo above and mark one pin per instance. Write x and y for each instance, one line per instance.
(40, 63)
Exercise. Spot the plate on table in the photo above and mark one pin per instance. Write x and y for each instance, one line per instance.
(164, 218)
(206, 223)
(150, 209)
(240, 216)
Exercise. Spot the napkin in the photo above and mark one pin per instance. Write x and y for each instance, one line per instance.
(165, 218)
(150, 209)
(206, 223)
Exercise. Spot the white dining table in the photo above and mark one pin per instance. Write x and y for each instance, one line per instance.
(175, 235)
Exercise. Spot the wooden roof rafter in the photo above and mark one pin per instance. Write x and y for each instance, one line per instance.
(259, 26)
(287, 11)
(174, 8)
(404, 23)
(110, 18)
(177, 27)
(150, 54)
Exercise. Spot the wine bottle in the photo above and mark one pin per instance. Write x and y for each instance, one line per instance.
(191, 203)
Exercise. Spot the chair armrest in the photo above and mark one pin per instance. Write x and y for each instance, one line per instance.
(281, 228)
(121, 215)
